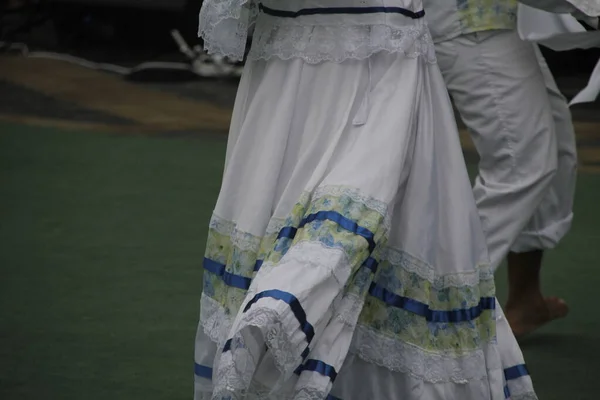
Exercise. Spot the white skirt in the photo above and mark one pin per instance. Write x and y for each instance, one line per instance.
(345, 257)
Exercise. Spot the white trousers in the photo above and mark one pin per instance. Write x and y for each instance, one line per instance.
(521, 126)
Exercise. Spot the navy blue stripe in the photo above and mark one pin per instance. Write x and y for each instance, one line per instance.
(240, 282)
(331, 397)
(319, 367)
(342, 221)
(341, 10)
(287, 232)
(371, 263)
(203, 371)
(422, 309)
(243, 282)
(516, 372)
(294, 304)
(227, 346)
(305, 353)
(414, 306)
(506, 392)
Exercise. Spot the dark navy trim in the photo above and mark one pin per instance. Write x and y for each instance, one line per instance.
(377, 291)
(305, 353)
(203, 371)
(342, 221)
(242, 282)
(341, 10)
(346, 223)
(422, 309)
(238, 281)
(371, 263)
(319, 367)
(288, 232)
(294, 304)
(506, 392)
(516, 372)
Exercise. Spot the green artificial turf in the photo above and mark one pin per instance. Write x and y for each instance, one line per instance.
(101, 242)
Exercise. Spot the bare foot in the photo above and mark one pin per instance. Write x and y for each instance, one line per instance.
(526, 317)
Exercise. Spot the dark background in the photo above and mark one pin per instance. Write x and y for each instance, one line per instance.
(128, 32)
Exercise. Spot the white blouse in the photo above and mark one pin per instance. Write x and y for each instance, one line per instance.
(315, 30)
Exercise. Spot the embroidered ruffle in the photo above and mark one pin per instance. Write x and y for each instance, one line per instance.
(387, 336)
(224, 26)
(337, 43)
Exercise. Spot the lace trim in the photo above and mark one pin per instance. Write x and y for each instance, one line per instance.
(217, 323)
(349, 308)
(304, 394)
(224, 26)
(412, 264)
(315, 44)
(355, 195)
(521, 389)
(396, 257)
(277, 336)
(278, 326)
(261, 393)
(419, 363)
(244, 240)
(367, 344)
(235, 375)
(214, 320)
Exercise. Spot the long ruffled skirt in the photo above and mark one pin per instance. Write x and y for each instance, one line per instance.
(345, 257)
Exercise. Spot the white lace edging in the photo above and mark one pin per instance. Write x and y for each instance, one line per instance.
(277, 337)
(243, 240)
(336, 43)
(408, 262)
(272, 318)
(224, 25)
(369, 202)
(256, 392)
(427, 366)
(367, 344)
(214, 320)
(348, 309)
(396, 257)
(521, 389)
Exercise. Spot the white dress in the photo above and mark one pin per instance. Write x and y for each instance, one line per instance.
(345, 257)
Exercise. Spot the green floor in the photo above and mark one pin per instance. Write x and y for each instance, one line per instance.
(101, 239)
